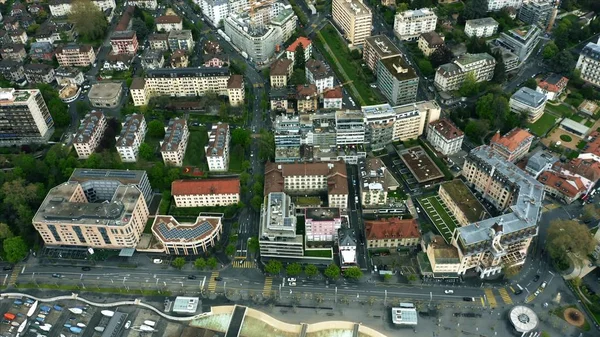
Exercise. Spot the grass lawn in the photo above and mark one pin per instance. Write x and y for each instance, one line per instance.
(236, 157)
(589, 123)
(545, 123)
(445, 224)
(560, 110)
(148, 227)
(318, 253)
(577, 118)
(194, 154)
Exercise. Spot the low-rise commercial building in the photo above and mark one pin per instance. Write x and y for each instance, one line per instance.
(461, 202)
(319, 74)
(133, 132)
(376, 48)
(430, 42)
(354, 18)
(539, 162)
(392, 233)
(483, 27)
(442, 258)
(206, 192)
(217, 149)
(322, 224)
(73, 55)
(346, 242)
(397, 80)
(528, 101)
(450, 76)
(405, 315)
(420, 165)
(512, 146)
(410, 24)
(106, 94)
(589, 63)
(553, 85)
(24, 117)
(277, 235)
(444, 136)
(187, 238)
(88, 135)
(173, 146)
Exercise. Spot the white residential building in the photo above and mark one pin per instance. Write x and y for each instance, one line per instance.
(589, 63)
(444, 136)
(167, 23)
(450, 76)
(496, 5)
(103, 5)
(318, 73)
(530, 102)
(409, 25)
(172, 148)
(24, 117)
(349, 127)
(354, 18)
(60, 7)
(206, 192)
(146, 4)
(278, 236)
(89, 134)
(375, 183)
(483, 27)
(132, 135)
(214, 10)
(217, 149)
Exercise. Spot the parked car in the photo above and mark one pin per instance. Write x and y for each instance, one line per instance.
(536, 278)
(469, 299)
(448, 291)
(127, 324)
(191, 277)
(157, 261)
(218, 279)
(86, 268)
(56, 275)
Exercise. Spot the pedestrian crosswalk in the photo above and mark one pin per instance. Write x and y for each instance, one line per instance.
(530, 298)
(13, 276)
(243, 264)
(505, 296)
(268, 286)
(490, 297)
(212, 284)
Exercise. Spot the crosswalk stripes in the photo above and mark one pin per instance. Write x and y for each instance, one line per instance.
(505, 296)
(243, 264)
(490, 297)
(13, 276)
(268, 286)
(530, 298)
(212, 284)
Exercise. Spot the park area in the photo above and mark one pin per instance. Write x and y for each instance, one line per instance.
(543, 125)
(439, 214)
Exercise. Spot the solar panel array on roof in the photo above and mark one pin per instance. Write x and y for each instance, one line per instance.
(106, 173)
(184, 233)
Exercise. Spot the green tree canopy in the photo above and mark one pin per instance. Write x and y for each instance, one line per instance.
(241, 137)
(156, 129)
(253, 245)
(353, 273)
(563, 63)
(298, 77)
(200, 263)
(550, 49)
(230, 249)
(211, 262)
(178, 262)
(5, 231)
(88, 20)
(425, 67)
(475, 9)
(299, 60)
(469, 86)
(531, 83)
(146, 152)
(311, 270)
(568, 236)
(15, 249)
(332, 272)
(273, 267)
(293, 269)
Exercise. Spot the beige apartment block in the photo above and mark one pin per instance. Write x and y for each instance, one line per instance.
(280, 72)
(461, 202)
(236, 90)
(173, 146)
(73, 55)
(89, 134)
(443, 258)
(217, 149)
(132, 135)
(392, 233)
(354, 18)
(206, 192)
(66, 218)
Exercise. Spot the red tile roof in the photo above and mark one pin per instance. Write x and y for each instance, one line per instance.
(512, 140)
(235, 82)
(446, 128)
(594, 145)
(569, 186)
(391, 228)
(168, 19)
(336, 175)
(587, 168)
(206, 186)
(553, 83)
(305, 43)
(333, 93)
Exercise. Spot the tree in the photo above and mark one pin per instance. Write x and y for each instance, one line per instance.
(273, 267)
(88, 20)
(550, 49)
(353, 273)
(146, 151)
(241, 137)
(15, 249)
(425, 67)
(178, 262)
(256, 202)
(230, 249)
(311, 270)
(576, 282)
(441, 56)
(253, 245)
(387, 277)
(483, 107)
(140, 28)
(200, 263)
(561, 35)
(477, 45)
(211, 262)
(475, 9)
(156, 129)
(476, 129)
(5, 231)
(299, 61)
(293, 269)
(531, 83)
(401, 7)
(332, 271)
(267, 146)
(412, 278)
(590, 211)
(469, 86)
(500, 69)
(511, 271)
(563, 63)
(298, 77)
(569, 237)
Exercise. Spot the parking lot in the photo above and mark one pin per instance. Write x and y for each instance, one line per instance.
(439, 214)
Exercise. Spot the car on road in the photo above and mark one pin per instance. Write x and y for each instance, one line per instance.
(544, 284)
(518, 292)
(448, 291)
(127, 324)
(537, 292)
(56, 275)
(7, 268)
(218, 278)
(291, 279)
(86, 268)
(191, 277)
(157, 261)
(469, 299)
(536, 278)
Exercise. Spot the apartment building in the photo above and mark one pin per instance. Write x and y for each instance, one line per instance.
(309, 178)
(461, 202)
(88, 135)
(442, 258)
(106, 94)
(24, 117)
(12, 71)
(410, 24)
(589, 63)
(124, 42)
(349, 127)
(206, 192)
(539, 162)
(354, 18)
(489, 245)
(377, 48)
(67, 217)
(397, 80)
(152, 59)
(444, 136)
(290, 52)
(562, 187)
(180, 82)
(450, 76)
(512, 146)
(104, 5)
(100, 185)
(236, 90)
(287, 131)
(173, 146)
(537, 12)
(392, 233)
(346, 243)
(214, 10)
(483, 27)
(430, 42)
(180, 59)
(530, 102)
(376, 182)
(59, 8)
(260, 38)
(73, 55)
(553, 85)
(181, 39)
(187, 238)
(13, 52)
(319, 74)
(496, 5)
(322, 224)
(277, 236)
(38, 73)
(159, 41)
(68, 75)
(145, 4)
(217, 149)
(521, 40)
(306, 98)
(333, 98)
(280, 72)
(167, 23)
(133, 132)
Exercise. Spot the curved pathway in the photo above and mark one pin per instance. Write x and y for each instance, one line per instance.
(136, 302)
